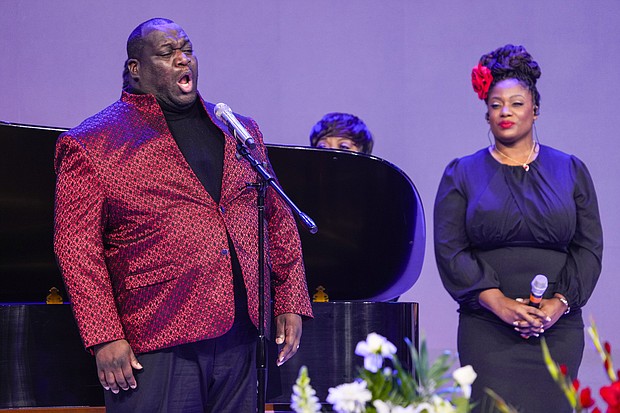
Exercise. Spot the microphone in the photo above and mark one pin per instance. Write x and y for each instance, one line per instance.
(539, 286)
(226, 115)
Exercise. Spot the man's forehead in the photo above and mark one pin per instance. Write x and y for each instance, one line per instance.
(164, 32)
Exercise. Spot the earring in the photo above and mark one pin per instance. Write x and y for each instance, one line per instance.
(536, 133)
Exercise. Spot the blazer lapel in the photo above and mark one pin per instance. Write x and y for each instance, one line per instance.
(233, 182)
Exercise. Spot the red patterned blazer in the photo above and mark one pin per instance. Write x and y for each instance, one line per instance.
(141, 244)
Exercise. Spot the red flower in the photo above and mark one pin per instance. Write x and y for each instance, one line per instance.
(563, 369)
(576, 384)
(611, 395)
(585, 398)
(596, 410)
(481, 79)
(607, 347)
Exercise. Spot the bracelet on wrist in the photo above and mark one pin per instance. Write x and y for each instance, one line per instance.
(565, 302)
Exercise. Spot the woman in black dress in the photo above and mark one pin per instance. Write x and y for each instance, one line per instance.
(503, 215)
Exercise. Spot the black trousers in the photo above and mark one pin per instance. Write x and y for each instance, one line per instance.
(216, 375)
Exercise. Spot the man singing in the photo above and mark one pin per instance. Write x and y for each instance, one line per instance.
(156, 239)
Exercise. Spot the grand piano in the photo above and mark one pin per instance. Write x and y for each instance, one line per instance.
(368, 251)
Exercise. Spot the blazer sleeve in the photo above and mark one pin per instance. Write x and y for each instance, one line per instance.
(288, 277)
(79, 216)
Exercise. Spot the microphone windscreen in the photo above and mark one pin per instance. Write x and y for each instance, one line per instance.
(539, 285)
(221, 108)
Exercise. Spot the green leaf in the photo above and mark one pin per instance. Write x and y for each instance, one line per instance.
(551, 364)
(499, 403)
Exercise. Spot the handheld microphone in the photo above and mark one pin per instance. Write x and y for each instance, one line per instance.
(539, 286)
(226, 115)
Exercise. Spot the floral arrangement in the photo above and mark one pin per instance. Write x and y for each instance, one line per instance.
(390, 388)
(481, 79)
(581, 398)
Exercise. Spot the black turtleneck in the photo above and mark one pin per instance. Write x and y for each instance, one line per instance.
(201, 142)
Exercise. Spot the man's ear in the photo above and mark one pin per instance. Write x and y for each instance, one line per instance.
(133, 65)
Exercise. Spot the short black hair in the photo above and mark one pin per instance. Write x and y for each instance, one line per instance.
(343, 125)
(135, 41)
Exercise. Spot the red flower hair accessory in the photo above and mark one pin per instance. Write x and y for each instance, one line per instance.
(481, 79)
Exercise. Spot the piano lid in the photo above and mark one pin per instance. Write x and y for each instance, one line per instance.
(370, 244)
(371, 239)
(27, 264)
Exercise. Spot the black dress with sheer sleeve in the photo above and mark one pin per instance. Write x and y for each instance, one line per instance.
(497, 226)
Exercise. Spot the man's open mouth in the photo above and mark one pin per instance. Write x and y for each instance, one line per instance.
(185, 83)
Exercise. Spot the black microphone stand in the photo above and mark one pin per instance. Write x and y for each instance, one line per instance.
(266, 179)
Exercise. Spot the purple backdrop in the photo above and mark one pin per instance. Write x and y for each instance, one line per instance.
(403, 66)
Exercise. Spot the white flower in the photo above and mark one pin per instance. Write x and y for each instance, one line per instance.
(303, 399)
(382, 407)
(399, 409)
(387, 407)
(349, 397)
(442, 405)
(465, 376)
(374, 350)
(424, 408)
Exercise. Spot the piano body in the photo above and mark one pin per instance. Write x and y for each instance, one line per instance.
(368, 251)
